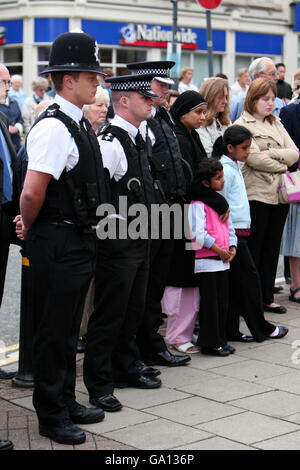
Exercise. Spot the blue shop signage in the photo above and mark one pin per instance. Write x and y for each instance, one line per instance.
(149, 35)
(13, 31)
(256, 43)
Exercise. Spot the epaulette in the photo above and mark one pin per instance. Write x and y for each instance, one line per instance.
(52, 110)
(107, 136)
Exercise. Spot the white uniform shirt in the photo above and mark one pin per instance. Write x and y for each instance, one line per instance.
(50, 146)
(113, 155)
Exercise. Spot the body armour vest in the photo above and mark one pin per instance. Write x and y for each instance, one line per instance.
(137, 183)
(75, 196)
(166, 160)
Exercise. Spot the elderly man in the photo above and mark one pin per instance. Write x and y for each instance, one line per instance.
(261, 67)
(8, 189)
(11, 109)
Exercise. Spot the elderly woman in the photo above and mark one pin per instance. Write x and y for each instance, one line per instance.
(216, 94)
(272, 152)
(39, 87)
(96, 112)
(16, 92)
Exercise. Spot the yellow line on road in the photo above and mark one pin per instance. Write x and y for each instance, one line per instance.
(13, 347)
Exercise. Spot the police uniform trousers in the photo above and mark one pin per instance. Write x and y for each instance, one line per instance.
(120, 290)
(148, 338)
(245, 296)
(4, 246)
(62, 262)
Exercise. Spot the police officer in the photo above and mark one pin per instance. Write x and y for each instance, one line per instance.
(62, 189)
(111, 355)
(167, 169)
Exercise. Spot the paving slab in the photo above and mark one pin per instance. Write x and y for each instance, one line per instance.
(287, 382)
(251, 370)
(185, 375)
(215, 443)
(224, 389)
(274, 403)
(248, 427)
(286, 442)
(193, 411)
(158, 435)
(274, 353)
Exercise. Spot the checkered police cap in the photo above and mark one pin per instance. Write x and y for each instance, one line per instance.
(140, 83)
(160, 69)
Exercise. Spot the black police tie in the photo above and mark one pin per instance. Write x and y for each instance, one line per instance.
(139, 141)
(81, 122)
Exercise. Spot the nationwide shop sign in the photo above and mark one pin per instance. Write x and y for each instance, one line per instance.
(156, 36)
(2, 35)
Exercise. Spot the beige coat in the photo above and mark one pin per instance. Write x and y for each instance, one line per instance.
(272, 152)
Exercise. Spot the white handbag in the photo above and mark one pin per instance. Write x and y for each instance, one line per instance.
(289, 189)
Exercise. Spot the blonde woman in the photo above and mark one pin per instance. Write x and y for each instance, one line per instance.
(216, 94)
(186, 77)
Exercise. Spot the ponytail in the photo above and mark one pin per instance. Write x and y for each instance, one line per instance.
(219, 148)
(234, 135)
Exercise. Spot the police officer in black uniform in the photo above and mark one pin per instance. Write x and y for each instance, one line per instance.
(62, 189)
(111, 356)
(168, 172)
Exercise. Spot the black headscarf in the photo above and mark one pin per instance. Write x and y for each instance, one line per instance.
(186, 102)
(210, 197)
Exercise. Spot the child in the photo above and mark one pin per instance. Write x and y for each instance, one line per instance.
(214, 243)
(245, 295)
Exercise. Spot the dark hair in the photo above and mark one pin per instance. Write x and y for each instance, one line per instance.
(208, 168)
(221, 75)
(279, 65)
(233, 135)
(57, 78)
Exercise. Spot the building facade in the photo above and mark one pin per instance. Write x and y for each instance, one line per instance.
(135, 30)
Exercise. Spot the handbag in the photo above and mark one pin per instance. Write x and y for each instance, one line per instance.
(289, 189)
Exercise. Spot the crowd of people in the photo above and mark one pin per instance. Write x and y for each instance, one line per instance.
(119, 142)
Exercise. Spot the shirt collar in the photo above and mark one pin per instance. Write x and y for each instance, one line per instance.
(69, 108)
(127, 126)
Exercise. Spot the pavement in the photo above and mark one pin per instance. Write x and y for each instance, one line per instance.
(246, 401)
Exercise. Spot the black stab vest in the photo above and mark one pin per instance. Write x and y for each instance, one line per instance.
(75, 196)
(166, 160)
(137, 183)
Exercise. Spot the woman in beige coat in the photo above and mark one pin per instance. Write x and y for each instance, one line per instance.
(272, 152)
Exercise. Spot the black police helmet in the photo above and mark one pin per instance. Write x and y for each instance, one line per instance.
(74, 52)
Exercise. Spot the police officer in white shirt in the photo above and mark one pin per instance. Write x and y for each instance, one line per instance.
(111, 355)
(63, 187)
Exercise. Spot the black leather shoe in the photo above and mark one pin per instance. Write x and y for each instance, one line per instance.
(230, 348)
(277, 289)
(107, 402)
(7, 374)
(6, 445)
(283, 330)
(143, 369)
(220, 351)
(279, 309)
(165, 358)
(139, 382)
(243, 339)
(64, 432)
(80, 414)
(80, 346)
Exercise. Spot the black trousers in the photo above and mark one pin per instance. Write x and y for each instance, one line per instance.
(267, 223)
(120, 291)
(61, 266)
(245, 296)
(4, 247)
(213, 308)
(148, 338)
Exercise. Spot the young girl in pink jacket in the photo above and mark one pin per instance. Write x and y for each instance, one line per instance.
(214, 243)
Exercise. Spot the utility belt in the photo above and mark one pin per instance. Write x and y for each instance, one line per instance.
(65, 224)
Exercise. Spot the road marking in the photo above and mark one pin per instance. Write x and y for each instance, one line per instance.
(9, 354)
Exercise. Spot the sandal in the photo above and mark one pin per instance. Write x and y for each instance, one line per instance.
(188, 348)
(292, 297)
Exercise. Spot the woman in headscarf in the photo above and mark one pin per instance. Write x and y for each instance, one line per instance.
(181, 298)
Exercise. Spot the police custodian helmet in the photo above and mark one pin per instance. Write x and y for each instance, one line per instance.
(74, 52)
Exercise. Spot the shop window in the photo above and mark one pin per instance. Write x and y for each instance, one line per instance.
(43, 53)
(124, 56)
(242, 62)
(106, 55)
(13, 55)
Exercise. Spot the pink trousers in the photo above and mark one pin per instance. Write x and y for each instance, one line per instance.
(181, 305)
